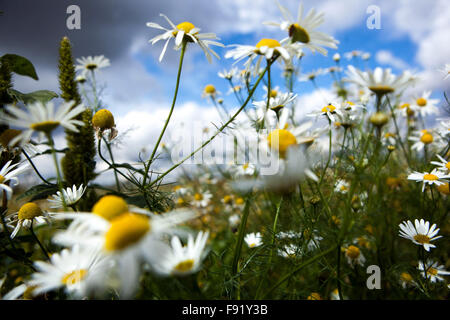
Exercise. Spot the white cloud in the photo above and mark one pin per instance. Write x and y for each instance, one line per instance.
(385, 57)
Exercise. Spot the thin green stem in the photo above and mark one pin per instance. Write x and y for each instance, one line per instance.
(35, 169)
(58, 171)
(108, 146)
(38, 242)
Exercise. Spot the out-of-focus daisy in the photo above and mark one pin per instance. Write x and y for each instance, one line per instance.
(365, 56)
(201, 199)
(354, 256)
(381, 81)
(406, 280)
(424, 105)
(268, 48)
(342, 186)
(78, 271)
(420, 233)
(434, 271)
(289, 251)
(421, 138)
(444, 126)
(253, 240)
(210, 91)
(229, 74)
(289, 234)
(311, 239)
(302, 29)
(443, 165)
(182, 260)
(446, 70)
(336, 57)
(41, 117)
(9, 174)
(388, 139)
(311, 76)
(276, 103)
(89, 64)
(234, 220)
(188, 32)
(246, 169)
(26, 216)
(71, 196)
(330, 110)
(127, 238)
(434, 177)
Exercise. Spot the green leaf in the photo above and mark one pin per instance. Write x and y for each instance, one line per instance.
(41, 191)
(20, 65)
(40, 95)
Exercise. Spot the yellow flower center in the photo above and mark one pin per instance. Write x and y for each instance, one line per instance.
(126, 230)
(430, 177)
(7, 136)
(281, 140)
(381, 90)
(426, 138)
(74, 277)
(239, 201)
(110, 207)
(421, 102)
(271, 43)
(421, 238)
(227, 199)
(103, 119)
(406, 277)
(405, 105)
(198, 197)
(245, 166)
(185, 26)
(2, 178)
(185, 266)
(298, 33)
(343, 188)
(29, 210)
(210, 89)
(45, 126)
(329, 108)
(273, 93)
(447, 165)
(444, 188)
(432, 271)
(314, 296)
(352, 252)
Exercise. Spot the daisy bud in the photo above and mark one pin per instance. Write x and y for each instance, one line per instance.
(379, 119)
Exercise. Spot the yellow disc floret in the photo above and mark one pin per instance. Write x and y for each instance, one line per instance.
(281, 140)
(210, 89)
(271, 43)
(103, 119)
(298, 33)
(110, 207)
(185, 26)
(185, 266)
(427, 138)
(329, 108)
(74, 277)
(352, 252)
(421, 238)
(45, 126)
(430, 177)
(29, 210)
(126, 230)
(421, 102)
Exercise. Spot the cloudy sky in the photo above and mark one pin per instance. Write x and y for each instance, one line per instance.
(138, 88)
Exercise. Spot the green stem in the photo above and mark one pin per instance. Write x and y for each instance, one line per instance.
(38, 242)
(35, 169)
(108, 146)
(147, 166)
(58, 171)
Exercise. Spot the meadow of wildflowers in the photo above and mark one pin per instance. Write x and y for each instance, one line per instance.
(349, 201)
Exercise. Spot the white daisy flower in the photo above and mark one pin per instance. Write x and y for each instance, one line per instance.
(365, 56)
(303, 30)
(179, 260)
(289, 251)
(444, 126)
(268, 48)
(406, 280)
(342, 186)
(424, 105)
(41, 117)
(353, 54)
(90, 64)
(79, 271)
(388, 139)
(443, 165)
(434, 177)
(354, 256)
(202, 200)
(420, 233)
(28, 215)
(275, 103)
(253, 240)
(311, 76)
(9, 173)
(188, 32)
(210, 91)
(247, 169)
(381, 81)
(127, 238)
(289, 234)
(446, 71)
(71, 196)
(330, 110)
(434, 271)
(229, 74)
(421, 138)
(234, 220)
(337, 57)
